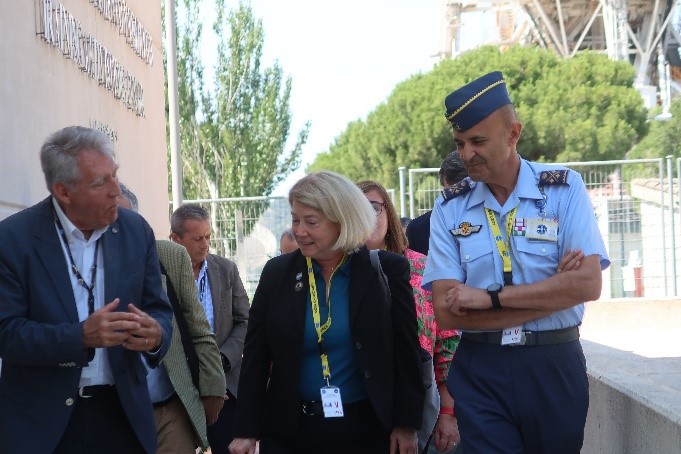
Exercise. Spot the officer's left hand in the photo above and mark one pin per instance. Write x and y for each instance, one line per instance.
(571, 261)
(461, 297)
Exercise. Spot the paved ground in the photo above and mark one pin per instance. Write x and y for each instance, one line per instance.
(636, 344)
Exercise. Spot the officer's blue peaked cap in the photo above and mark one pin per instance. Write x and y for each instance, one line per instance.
(475, 101)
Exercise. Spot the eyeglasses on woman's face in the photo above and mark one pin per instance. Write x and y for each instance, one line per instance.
(377, 206)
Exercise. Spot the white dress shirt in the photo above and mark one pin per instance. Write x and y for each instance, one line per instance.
(98, 371)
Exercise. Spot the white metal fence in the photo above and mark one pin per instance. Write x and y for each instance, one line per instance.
(636, 204)
(247, 230)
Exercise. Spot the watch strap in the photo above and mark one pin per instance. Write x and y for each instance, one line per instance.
(496, 304)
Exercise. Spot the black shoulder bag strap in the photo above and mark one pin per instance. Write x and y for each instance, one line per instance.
(382, 278)
(187, 342)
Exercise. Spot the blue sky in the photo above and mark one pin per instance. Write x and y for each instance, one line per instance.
(344, 58)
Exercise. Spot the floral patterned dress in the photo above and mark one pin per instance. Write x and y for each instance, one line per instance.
(441, 344)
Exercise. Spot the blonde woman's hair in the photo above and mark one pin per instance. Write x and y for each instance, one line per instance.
(395, 239)
(342, 202)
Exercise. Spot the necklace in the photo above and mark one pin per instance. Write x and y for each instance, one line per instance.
(334, 267)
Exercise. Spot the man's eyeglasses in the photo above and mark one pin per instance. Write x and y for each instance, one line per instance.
(377, 206)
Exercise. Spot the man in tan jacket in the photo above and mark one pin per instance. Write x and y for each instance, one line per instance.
(225, 301)
(182, 411)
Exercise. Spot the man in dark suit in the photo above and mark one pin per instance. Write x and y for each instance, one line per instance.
(418, 230)
(225, 301)
(82, 302)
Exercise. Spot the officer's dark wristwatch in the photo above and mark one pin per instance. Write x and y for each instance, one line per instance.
(493, 291)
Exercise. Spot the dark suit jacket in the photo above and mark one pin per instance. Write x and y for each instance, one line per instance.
(41, 339)
(418, 233)
(384, 335)
(230, 312)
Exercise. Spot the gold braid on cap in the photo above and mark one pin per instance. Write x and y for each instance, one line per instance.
(476, 96)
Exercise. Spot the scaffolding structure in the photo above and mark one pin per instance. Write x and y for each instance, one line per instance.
(646, 33)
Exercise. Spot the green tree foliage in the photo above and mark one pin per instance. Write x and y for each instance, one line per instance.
(661, 141)
(663, 138)
(577, 109)
(233, 131)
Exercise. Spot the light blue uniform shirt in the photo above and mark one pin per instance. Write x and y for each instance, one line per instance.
(475, 260)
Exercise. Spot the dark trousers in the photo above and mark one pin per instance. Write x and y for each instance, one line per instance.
(98, 424)
(221, 433)
(520, 399)
(358, 432)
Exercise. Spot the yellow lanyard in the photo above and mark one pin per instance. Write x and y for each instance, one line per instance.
(316, 317)
(502, 246)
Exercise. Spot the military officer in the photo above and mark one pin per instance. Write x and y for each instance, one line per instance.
(494, 265)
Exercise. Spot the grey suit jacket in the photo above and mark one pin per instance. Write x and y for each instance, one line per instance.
(230, 310)
(178, 265)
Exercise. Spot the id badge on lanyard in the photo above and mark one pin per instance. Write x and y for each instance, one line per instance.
(330, 395)
(331, 401)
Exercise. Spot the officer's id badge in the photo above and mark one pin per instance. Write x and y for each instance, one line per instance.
(465, 229)
(542, 230)
(513, 336)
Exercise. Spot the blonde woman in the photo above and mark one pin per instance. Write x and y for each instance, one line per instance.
(320, 324)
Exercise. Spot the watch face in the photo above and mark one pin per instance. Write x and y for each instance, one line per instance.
(494, 288)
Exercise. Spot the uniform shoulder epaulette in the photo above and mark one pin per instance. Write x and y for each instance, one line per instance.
(458, 189)
(551, 177)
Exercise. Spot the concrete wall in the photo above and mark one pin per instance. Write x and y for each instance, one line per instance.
(43, 89)
(634, 364)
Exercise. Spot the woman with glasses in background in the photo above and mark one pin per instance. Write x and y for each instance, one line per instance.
(439, 345)
(330, 364)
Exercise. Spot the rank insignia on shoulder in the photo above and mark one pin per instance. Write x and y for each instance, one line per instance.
(465, 229)
(550, 177)
(458, 189)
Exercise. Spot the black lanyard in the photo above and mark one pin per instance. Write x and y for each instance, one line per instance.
(90, 288)
(202, 287)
